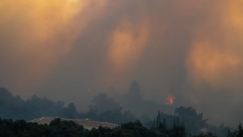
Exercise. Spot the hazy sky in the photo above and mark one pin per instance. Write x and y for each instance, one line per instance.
(72, 49)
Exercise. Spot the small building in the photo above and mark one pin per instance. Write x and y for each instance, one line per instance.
(87, 123)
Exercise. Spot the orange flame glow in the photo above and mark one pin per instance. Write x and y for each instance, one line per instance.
(170, 100)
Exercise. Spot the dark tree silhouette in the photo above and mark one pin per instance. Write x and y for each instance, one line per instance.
(193, 122)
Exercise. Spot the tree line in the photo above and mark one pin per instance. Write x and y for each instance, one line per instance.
(106, 109)
(36, 107)
(62, 128)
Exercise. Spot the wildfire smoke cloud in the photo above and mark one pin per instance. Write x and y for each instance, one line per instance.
(188, 47)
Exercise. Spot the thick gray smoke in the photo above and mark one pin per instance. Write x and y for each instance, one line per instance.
(73, 49)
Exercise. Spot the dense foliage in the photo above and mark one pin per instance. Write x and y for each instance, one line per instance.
(108, 110)
(36, 107)
(60, 128)
(57, 128)
(103, 108)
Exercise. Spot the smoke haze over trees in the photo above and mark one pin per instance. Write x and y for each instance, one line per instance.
(106, 109)
(36, 107)
(61, 128)
(72, 50)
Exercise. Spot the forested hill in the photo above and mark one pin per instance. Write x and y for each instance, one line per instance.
(14, 108)
(35, 107)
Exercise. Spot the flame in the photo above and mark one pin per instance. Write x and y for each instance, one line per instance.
(169, 100)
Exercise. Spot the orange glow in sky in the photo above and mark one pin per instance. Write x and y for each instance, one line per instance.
(215, 57)
(38, 34)
(170, 100)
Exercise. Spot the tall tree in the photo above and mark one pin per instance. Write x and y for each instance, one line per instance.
(134, 91)
(193, 122)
